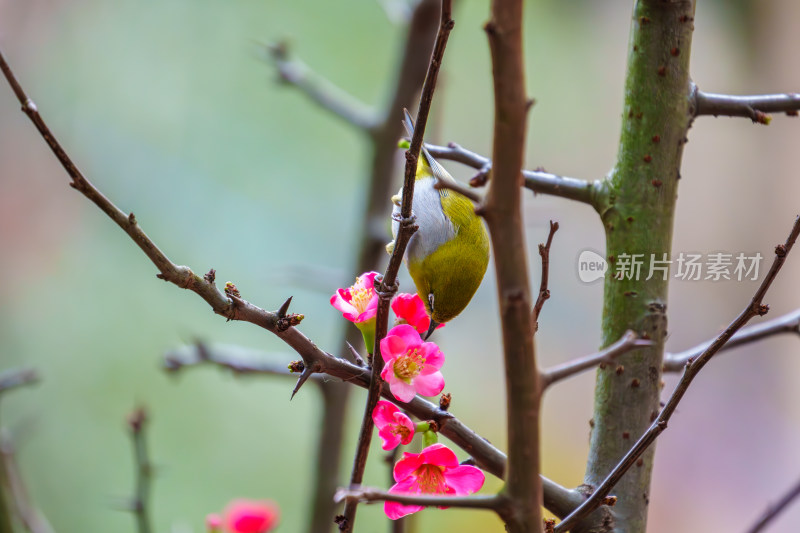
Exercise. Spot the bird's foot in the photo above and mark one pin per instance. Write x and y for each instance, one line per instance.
(384, 292)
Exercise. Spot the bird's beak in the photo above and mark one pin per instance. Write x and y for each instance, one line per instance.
(431, 329)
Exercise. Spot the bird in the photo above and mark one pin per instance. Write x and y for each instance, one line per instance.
(448, 255)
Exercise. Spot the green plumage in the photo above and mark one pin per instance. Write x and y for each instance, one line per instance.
(448, 274)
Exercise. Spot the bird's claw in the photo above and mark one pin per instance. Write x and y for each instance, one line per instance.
(384, 292)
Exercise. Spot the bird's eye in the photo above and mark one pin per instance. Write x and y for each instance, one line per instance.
(430, 300)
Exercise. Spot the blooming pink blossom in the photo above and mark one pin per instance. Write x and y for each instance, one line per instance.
(251, 516)
(394, 426)
(410, 310)
(411, 365)
(213, 522)
(358, 303)
(434, 471)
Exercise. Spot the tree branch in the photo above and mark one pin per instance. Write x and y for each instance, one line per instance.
(459, 188)
(19, 377)
(775, 509)
(788, 323)
(544, 291)
(321, 91)
(371, 495)
(754, 107)
(643, 184)
(239, 360)
(628, 342)
(388, 283)
(754, 308)
(140, 505)
(502, 211)
(538, 181)
(30, 517)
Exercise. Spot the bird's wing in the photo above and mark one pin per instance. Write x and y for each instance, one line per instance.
(438, 170)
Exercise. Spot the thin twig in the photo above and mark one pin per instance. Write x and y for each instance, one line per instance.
(628, 342)
(321, 91)
(775, 509)
(459, 188)
(369, 495)
(544, 291)
(754, 308)
(788, 323)
(754, 107)
(389, 279)
(239, 360)
(140, 505)
(538, 181)
(30, 517)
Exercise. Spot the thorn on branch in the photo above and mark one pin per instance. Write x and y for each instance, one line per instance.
(284, 307)
(356, 356)
(210, 276)
(307, 372)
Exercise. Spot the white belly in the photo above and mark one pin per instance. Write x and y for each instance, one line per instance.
(434, 228)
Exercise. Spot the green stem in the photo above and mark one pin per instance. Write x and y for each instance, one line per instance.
(429, 438)
(638, 219)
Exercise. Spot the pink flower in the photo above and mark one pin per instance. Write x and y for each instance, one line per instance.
(411, 366)
(251, 516)
(410, 310)
(358, 303)
(213, 522)
(434, 471)
(394, 427)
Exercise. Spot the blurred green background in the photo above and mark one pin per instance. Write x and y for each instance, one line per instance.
(167, 107)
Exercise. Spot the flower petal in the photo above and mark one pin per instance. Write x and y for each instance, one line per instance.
(396, 510)
(250, 516)
(384, 413)
(340, 300)
(440, 455)
(401, 390)
(464, 479)
(392, 346)
(409, 335)
(434, 358)
(427, 384)
(405, 467)
(401, 419)
(390, 439)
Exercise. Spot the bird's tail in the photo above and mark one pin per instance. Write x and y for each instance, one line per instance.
(438, 170)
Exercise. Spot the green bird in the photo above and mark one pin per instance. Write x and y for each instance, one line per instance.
(448, 255)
